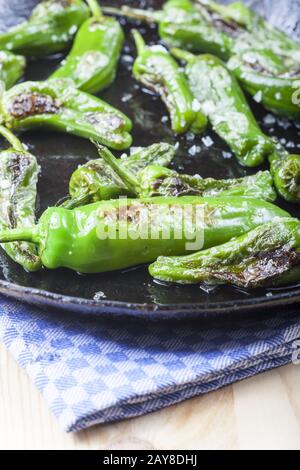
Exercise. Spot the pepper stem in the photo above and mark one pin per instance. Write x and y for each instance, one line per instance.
(80, 199)
(12, 139)
(229, 12)
(182, 55)
(20, 235)
(135, 13)
(95, 8)
(214, 6)
(139, 41)
(126, 176)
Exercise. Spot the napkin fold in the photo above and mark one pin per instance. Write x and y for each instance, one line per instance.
(96, 370)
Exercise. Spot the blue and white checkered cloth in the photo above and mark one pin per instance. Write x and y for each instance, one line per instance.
(99, 370)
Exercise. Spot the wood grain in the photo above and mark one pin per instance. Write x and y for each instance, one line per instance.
(259, 413)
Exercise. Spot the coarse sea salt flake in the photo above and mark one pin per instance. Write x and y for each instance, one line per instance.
(127, 58)
(290, 144)
(227, 155)
(208, 142)
(126, 97)
(269, 120)
(194, 150)
(258, 97)
(190, 136)
(196, 106)
(99, 295)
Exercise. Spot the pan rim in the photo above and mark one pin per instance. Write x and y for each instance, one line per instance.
(98, 307)
(148, 310)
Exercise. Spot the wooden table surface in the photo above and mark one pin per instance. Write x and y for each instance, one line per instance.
(259, 413)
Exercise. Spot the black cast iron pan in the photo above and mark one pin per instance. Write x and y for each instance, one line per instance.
(132, 291)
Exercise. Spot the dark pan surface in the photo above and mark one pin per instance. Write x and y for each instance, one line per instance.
(133, 291)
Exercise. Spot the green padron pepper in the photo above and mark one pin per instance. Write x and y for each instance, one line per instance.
(249, 30)
(207, 26)
(182, 24)
(158, 71)
(285, 169)
(11, 69)
(267, 256)
(226, 107)
(18, 176)
(264, 59)
(50, 28)
(93, 60)
(117, 234)
(155, 180)
(223, 101)
(274, 84)
(96, 180)
(59, 105)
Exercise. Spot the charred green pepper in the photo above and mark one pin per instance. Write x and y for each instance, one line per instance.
(111, 235)
(157, 70)
(155, 180)
(159, 181)
(249, 30)
(18, 180)
(11, 68)
(93, 60)
(222, 30)
(96, 180)
(224, 103)
(226, 107)
(268, 255)
(50, 28)
(57, 104)
(182, 24)
(285, 169)
(264, 59)
(274, 84)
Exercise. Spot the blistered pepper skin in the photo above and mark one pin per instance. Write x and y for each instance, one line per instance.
(249, 30)
(205, 26)
(285, 170)
(158, 71)
(155, 180)
(49, 29)
(57, 104)
(228, 111)
(97, 181)
(185, 26)
(158, 181)
(265, 60)
(182, 24)
(18, 191)
(264, 257)
(263, 76)
(226, 107)
(88, 240)
(93, 60)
